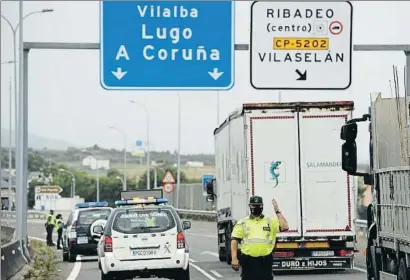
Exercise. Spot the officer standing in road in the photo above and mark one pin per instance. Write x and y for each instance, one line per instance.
(50, 224)
(59, 227)
(257, 234)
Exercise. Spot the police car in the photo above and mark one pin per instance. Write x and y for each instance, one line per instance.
(77, 234)
(143, 238)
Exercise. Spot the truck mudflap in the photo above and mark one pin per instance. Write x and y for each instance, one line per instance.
(312, 263)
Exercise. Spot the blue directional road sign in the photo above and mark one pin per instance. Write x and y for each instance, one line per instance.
(167, 45)
(205, 179)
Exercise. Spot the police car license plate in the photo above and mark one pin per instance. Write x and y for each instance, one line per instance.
(144, 253)
(82, 240)
(323, 253)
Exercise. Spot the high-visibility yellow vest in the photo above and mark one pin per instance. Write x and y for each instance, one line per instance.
(50, 221)
(57, 224)
(258, 235)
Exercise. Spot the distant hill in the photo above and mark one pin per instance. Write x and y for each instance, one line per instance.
(37, 142)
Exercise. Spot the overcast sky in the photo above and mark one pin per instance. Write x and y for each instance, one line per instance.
(67, 102)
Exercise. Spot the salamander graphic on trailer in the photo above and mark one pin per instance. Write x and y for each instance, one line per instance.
(274, 166)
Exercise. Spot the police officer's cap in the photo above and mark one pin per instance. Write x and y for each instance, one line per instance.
(256, 200)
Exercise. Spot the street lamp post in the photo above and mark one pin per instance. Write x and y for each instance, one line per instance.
(97, 173)
(124, 182)
(119, 178)
(14, 61)
(72, 181)
(179, 153)
(148, 142)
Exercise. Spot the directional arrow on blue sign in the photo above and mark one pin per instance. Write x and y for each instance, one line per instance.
(167, 45)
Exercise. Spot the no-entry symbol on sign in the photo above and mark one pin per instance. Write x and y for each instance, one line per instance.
(336, 27)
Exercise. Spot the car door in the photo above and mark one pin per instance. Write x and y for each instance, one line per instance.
(67, 228)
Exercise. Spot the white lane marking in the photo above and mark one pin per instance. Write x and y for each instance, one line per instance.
(77, 265)
(76, 269)
(206, 274)
(210, 253)
(216, 274)
(360, 269)
(192, 260)
(201, 235)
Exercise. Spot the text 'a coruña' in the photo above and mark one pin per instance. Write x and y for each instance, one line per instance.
(175, 34)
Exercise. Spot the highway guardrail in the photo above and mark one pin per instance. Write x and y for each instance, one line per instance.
(31, 214)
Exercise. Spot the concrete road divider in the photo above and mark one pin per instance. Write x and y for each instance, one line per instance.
(12, 260)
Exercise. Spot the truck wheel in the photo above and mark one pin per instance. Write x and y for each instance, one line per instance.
(403, 271)
(228, 246)
(369, 268)
(222, 255)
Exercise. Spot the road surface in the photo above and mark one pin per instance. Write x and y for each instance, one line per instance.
(204, 260)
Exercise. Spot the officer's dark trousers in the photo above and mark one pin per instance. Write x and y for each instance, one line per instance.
(60, 238)
(49, 229)
(256, 268)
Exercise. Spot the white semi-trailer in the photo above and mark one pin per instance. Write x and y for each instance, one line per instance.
(290, 152)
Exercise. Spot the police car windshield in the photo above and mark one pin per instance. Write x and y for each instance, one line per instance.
(87, 217)
(133, 221)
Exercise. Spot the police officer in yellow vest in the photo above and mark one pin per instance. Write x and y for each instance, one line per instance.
(59, 225)
(50, 224)
(257, 234)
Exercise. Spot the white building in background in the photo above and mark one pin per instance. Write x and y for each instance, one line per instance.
(91, 162)
(195, 164)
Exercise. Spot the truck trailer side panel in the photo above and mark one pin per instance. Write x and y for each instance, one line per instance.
(327, 204)
(273, 163)
(238, 169)
(223, 186)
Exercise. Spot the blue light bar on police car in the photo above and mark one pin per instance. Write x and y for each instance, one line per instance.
(92, 204)
(141, 201)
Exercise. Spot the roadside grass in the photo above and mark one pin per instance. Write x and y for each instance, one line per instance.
(44, 265)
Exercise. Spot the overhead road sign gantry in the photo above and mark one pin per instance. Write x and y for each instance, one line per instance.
(167, 45)
(301, 45)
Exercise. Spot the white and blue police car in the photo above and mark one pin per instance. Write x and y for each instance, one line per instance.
(143, 238)
(77, 233)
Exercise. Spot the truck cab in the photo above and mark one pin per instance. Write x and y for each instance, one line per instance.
(388, 217)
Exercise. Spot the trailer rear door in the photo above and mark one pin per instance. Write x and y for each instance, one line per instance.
(326, 192)
(273, 139)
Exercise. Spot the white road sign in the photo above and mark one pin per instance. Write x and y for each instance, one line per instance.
(301, 45)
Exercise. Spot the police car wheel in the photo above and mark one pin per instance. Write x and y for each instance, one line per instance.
(108, 276)
(182, 274)
(65, 256)
(71, 257)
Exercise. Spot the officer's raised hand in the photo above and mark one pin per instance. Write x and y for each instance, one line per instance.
(235, 264)
(283, 223)
(275, 205)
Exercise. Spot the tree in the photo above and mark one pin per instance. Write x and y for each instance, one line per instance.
(114, 173)
(36, 162)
